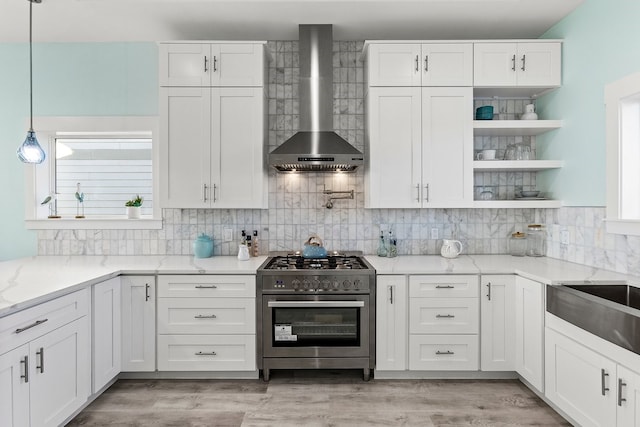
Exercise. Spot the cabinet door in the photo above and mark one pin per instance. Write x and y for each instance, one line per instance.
(498, 332)
(393, 177)
(391, 323)
(539, 64)
(60, 373)
(580, 381)
(394, 65)
(185, 64)
(138, 323)
(237, 149)
(529, 331)
(628, 397)
(14, 387)
(237, 64)
(494, 64)
(447, 147)
(107, 332)
(185, 147)
(449, 64)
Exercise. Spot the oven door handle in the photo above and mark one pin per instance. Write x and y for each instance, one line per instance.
(307, 304)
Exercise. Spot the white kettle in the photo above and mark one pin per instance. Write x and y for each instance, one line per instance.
(450, 248)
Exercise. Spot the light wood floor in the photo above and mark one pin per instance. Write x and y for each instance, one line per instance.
(332, 398)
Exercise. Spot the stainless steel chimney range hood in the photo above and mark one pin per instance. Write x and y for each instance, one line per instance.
(316, 147)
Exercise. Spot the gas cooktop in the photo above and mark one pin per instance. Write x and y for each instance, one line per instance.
(336, 261)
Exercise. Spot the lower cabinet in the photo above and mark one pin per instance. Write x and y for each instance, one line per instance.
(206, 352)
(497, 322)
(529, 307)
(591, 388)
(106, 333)
(391, 323)
(443, 352)
(138, 323)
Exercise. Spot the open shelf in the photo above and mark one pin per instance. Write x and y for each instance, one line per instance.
(516, 165)
(514, 127)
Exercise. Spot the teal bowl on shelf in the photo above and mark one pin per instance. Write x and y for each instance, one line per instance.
(484, 113)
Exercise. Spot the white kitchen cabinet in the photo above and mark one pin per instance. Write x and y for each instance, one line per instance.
(517, 64)
(497, 319)
(391, 323)
(212, 64)
(443, 315)
(14, 387)
(427, 64)
(628, 397)
(138, 323)
(107, 332)
(529, 322)
(420, 147)
(443, 353)
(212, 148)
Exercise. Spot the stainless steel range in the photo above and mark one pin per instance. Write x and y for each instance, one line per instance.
(316, 313)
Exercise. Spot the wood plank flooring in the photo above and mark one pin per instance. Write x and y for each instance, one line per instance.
(331, 398)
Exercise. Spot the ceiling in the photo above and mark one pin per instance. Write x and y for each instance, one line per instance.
(153, 20)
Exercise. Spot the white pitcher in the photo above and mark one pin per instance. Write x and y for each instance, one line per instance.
(450, 248)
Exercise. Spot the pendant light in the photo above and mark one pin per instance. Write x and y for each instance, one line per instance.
(30, 151)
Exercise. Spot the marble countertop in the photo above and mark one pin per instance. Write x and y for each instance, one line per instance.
(26, 282)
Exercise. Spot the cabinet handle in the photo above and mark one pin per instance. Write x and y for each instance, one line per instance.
(620, 385)
(201, 353)
(36, 323)
(390, 294)
(513, 63)
(444, 287)
(445, 316)
(418, 190)
(603, 375)
(206, 287)
(444, 352)
(489, 291)
(524, 57)
(426, 63)
(215, 64)
(215, 198)
(41, 354)
(205, 64)
(146, 292)
(417, 63)
(427, 188)
(204, 192)
(25, 362)
(204, 316)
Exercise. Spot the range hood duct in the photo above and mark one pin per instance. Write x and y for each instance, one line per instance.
(316, 147)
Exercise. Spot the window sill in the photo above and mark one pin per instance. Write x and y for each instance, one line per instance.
(100, 223)
(622, 226)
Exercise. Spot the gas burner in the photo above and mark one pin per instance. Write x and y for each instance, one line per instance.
(332, 262)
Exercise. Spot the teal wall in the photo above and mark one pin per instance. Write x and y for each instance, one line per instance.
(601, 45)
(70, 79)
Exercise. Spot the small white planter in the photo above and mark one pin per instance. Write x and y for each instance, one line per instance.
(133, 212)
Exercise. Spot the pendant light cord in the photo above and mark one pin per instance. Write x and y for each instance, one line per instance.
(30, 65)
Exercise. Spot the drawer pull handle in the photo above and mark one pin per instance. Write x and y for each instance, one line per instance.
(445, 316)
(444, 287)
(202, 353)
(41, 354)
(620, 385)
(603, 376)
(25, 362)
(444, 352)
(205, 316)
(36, 323)
(206, 287)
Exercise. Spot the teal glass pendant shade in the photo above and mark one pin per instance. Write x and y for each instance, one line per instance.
(30, 151)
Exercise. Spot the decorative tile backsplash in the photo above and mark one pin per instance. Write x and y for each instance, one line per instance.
(297, 203)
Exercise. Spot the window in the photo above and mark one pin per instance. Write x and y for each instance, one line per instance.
(110, 159)
(622, 99)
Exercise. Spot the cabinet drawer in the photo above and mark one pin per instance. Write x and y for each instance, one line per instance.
(443, 286)
(443, 352)
(207, 286)
(206, 352)
(206, 315)
(33, 322)
(443, 315)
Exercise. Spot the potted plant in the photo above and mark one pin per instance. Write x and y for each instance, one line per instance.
(133, 207)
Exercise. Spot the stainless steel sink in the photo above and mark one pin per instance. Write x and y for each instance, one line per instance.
(610, 310)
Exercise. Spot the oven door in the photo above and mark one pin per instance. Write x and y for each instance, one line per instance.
(315, 325)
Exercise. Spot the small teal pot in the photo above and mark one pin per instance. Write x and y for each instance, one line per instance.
(203, 246)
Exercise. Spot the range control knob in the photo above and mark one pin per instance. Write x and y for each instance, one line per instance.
(357, 284)
(306, 284)
(346, 284)
(316, 284)
(326, 284)
(295, 283)
(336, 284)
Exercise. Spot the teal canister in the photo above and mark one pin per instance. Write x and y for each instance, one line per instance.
(203, 246)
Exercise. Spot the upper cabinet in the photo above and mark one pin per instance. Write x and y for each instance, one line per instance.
(212, 64)
(522, 64)
(427, 64)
